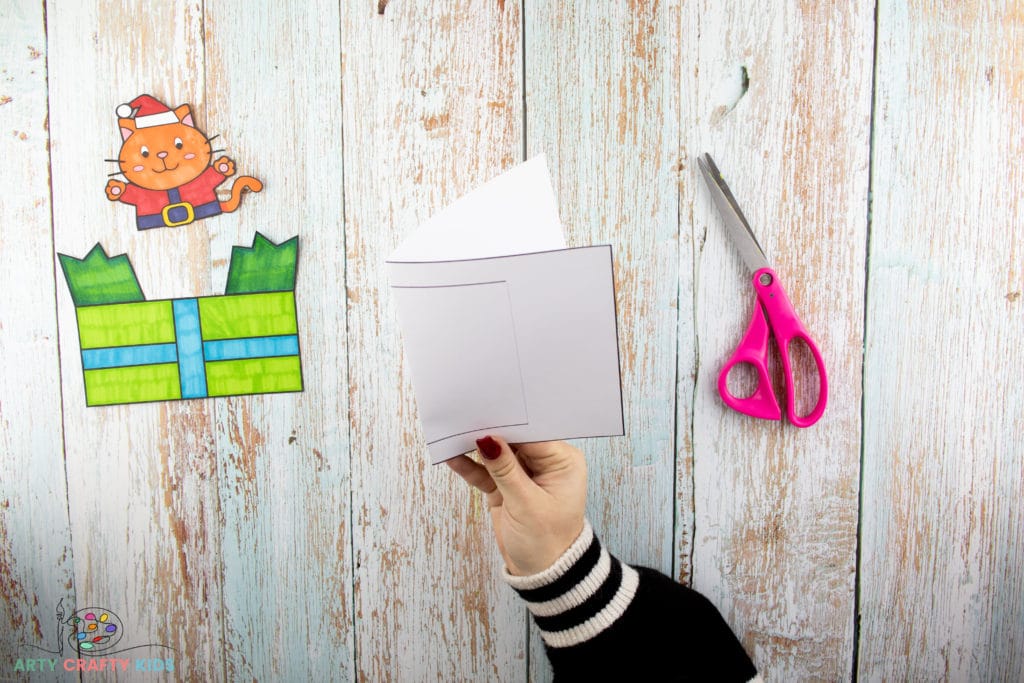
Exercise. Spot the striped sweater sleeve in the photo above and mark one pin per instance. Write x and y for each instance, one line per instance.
(600, 617)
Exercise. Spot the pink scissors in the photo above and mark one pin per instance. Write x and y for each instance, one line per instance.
(781, 319)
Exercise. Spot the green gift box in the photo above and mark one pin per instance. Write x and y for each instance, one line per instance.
(241, 342)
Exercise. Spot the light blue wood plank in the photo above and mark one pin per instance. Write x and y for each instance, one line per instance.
(35, 537)
(273, 77)
(432, 104)
(602, 103)
(942, 562)
(775, 506)
(143, 495)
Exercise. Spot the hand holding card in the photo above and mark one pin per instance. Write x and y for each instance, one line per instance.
(506, 331)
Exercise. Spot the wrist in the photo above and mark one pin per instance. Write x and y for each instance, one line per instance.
(528, 556)
(556, 568)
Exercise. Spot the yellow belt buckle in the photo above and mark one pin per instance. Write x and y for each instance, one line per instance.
(167, 212)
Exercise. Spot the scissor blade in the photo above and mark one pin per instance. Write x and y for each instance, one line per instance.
(735, 223)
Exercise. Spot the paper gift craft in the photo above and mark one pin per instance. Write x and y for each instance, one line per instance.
(506, 331)
(242, 342)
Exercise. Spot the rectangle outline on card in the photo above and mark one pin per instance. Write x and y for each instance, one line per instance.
(515, 346)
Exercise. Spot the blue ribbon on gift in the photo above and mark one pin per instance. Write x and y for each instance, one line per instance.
(190, 352)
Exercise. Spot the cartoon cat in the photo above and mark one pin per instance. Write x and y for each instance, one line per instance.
(166, 160)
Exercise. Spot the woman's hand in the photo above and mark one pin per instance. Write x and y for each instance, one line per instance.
(536, 494)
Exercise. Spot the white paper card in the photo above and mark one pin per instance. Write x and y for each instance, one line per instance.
(521, 345)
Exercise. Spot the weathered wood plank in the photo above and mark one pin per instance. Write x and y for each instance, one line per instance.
(142, 479)
(942, 570)
(602, 102)
(432, 108)
(775, 507)
(273, 92)
(35, 537)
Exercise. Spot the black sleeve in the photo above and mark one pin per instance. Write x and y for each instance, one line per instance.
(602, 619)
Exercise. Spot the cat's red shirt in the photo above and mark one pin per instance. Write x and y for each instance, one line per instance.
(196, 192)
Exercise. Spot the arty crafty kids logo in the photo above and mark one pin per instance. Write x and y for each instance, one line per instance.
(92, 636)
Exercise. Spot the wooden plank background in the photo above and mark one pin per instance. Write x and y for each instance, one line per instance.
(876, 151)
(942, 580)
(774, 509)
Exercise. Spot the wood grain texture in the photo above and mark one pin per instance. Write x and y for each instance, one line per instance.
(301, 537)
(602, 104)
(942, 570)
(35, 537)
(273, 92)
(143, 496)
(776, 507)
(432, 104)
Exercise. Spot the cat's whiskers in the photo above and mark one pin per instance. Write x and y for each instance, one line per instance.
(213, 137)
(115, 161)
(214, 151)
(113, 174)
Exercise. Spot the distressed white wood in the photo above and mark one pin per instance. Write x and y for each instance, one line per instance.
(234, 530)
(601, 103)
(775, 507)
(35, 538)
(142, 484)
(942, 568)
(432, 104)
(273, 92)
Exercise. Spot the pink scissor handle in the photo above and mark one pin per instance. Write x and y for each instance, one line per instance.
(754, 350)
(786, 327)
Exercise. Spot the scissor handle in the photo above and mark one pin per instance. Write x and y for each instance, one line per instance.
(786, 327)
(753, 350)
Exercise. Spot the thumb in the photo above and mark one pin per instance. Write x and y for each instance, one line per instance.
(505, 469)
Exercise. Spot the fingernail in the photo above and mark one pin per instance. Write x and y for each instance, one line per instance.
(489, 448)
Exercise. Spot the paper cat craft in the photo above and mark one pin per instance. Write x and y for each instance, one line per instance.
(166, 160)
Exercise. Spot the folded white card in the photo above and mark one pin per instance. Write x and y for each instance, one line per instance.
(515, 213)
(506, 333)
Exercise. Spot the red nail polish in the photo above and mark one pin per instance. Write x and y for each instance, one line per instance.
(489, 448)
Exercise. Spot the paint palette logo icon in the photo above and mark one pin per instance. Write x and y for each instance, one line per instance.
(96, 630)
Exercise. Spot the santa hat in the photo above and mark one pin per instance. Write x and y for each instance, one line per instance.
(147, 111)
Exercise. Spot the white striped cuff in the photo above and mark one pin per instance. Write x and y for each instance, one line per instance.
(583, 593)
(603, 619)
